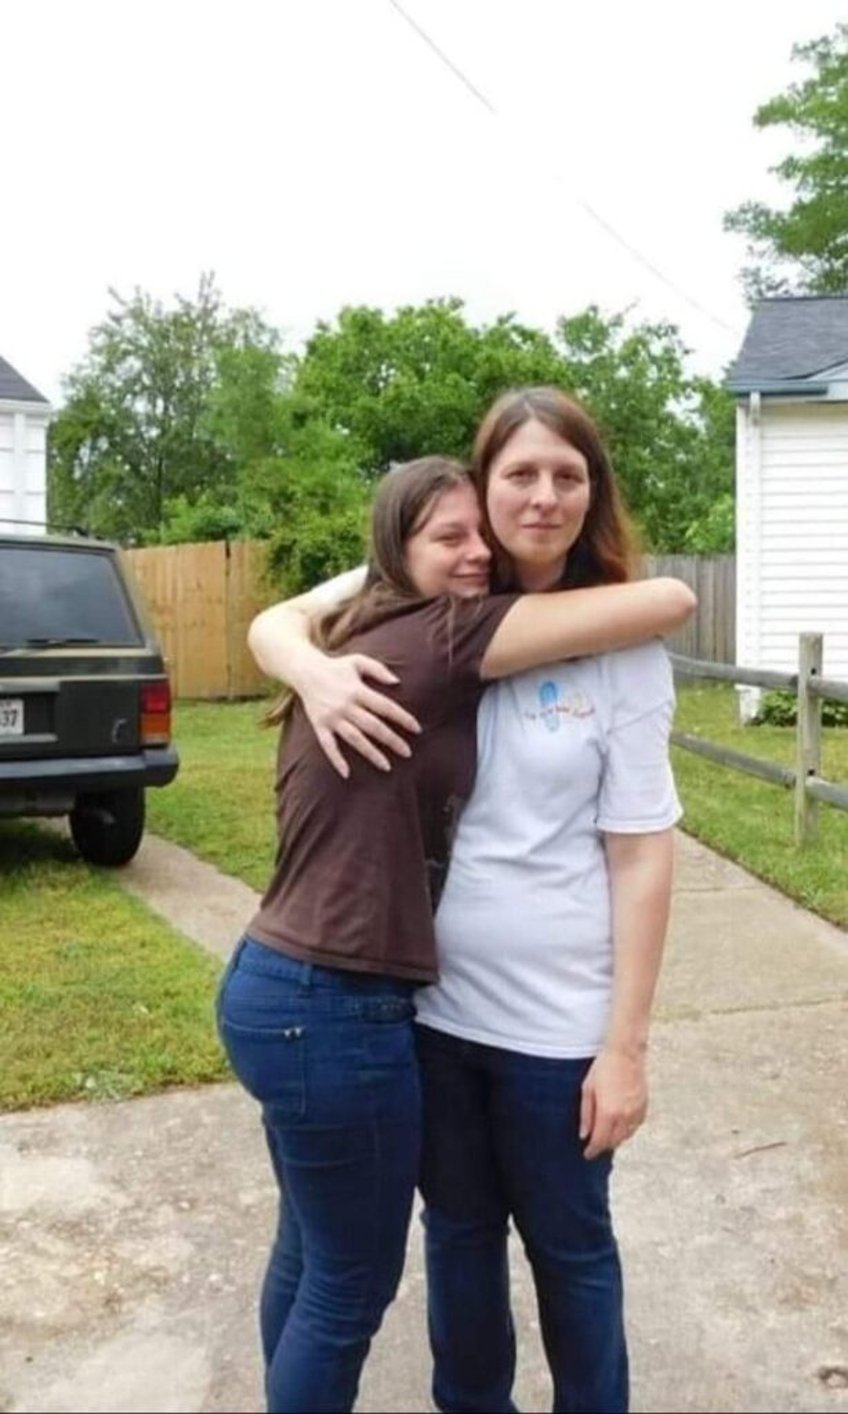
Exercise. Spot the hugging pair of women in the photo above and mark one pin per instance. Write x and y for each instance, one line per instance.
(493, 686)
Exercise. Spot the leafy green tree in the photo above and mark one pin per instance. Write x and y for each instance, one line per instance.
(248, 411)
(398, 386)
(671, 435)
(317, 504)
(714, 533)
(657, 420)
(140, 424)
(804, 248)
(193, 423)
(209, 517)
(181, 424)
(402, 385)
(712, 525)
(306, 494)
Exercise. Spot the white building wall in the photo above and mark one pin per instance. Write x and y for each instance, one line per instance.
(792, 534)
(748, 485)
(23, 466)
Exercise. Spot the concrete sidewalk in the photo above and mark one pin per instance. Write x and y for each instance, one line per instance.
(132, 1235)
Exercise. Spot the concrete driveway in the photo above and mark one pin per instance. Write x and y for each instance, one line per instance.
(132, 1234)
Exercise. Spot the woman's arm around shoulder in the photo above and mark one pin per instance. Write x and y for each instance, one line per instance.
(573, 623)
(278, 637)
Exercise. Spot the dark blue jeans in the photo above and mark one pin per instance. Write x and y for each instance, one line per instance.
(501, 1140)
(330, 1056)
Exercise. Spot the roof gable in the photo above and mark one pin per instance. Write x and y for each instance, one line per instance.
(791, 339)
(14, 388)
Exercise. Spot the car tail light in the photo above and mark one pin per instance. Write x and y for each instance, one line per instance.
(156, 713)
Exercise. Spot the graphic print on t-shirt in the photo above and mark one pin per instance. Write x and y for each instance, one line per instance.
(555, 702)
(548, 698)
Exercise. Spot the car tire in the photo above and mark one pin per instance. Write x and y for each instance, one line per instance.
(107, 827)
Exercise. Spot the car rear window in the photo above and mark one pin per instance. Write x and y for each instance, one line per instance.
(47, 595)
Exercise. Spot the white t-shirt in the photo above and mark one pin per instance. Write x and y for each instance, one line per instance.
(327, 596)
(523, 929)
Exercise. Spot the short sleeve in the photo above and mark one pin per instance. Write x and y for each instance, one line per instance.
(638, 794)
(436, 648)
(470, 626)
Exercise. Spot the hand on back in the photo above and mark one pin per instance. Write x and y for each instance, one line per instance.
(343, 708)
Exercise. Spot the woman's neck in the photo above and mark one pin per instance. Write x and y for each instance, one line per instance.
(538, 579)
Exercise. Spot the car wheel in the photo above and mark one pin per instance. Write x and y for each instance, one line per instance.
(107, 827)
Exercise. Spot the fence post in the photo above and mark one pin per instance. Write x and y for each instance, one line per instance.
(807, 737)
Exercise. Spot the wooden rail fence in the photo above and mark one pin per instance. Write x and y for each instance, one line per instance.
(810, 688)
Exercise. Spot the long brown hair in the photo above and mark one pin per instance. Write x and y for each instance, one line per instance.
(605, 551)
(404, 499)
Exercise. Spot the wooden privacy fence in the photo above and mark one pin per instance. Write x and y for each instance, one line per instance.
(202, 598)
(810, 688)
(711, 632)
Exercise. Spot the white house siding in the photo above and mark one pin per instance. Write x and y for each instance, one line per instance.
(23, 443)
(792, 534)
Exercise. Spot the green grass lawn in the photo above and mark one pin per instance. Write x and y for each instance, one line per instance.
(99, 998)
(752, 821)
(221, 805)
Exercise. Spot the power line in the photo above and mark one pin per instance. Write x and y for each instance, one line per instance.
(454, 68)
(584, 205)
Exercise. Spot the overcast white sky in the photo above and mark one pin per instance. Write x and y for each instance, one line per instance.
(315, 153)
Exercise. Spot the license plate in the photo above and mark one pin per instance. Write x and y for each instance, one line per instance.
(11, 716)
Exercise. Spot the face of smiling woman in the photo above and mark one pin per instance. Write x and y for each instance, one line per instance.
(537, 498)
(446, 553)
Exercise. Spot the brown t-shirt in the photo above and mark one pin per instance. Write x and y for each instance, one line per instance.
(350, 886)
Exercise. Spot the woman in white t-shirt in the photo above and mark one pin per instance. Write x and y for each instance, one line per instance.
(550, 931)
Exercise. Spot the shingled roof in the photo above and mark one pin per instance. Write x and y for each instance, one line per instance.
(791, 339)
(14, 388)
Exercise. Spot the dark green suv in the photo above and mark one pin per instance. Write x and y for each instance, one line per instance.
(85, 702)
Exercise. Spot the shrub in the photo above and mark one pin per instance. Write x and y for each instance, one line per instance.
(315, 546)
(780, 709)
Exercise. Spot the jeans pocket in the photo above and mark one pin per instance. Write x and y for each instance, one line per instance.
(383, 1010)
(387, 1040)
(270, 1062)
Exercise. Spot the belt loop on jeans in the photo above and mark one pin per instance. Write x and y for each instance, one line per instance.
(306, 976)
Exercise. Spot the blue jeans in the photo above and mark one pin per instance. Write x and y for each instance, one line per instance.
(501, 1140)
(330, 1057)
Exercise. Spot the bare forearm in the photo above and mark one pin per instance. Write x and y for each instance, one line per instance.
(279, 637)
(614, 1098)
(640, 868)
(571, 623)
(279, 640)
